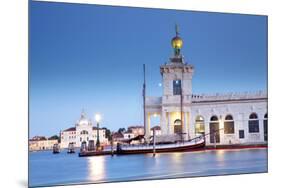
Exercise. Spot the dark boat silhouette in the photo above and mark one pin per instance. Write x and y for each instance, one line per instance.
(71, 148)
(181, 146)
(56, 149)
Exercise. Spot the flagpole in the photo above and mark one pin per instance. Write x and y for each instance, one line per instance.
(143, 94)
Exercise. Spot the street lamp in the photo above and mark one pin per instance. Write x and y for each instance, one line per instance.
(98, 118)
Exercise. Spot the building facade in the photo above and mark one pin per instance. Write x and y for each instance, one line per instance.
(136, 130)
(157, 130)
(117, 137)
(224, 118)
(39, 143)
(128, 135)
(83, 131)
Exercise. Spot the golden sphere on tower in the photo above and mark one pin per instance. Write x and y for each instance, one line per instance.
(177, 42)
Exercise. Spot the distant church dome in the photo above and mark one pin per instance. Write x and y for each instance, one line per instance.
(83, 120)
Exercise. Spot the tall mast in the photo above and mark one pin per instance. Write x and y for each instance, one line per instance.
(178, 45)
(143, 95)
(181, 107)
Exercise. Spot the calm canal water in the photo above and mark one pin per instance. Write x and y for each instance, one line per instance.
(46, 168)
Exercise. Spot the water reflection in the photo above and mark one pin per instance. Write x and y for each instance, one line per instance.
(220, 157)
(49, 169)
(177, 158)
(96, 168)
(220, 154)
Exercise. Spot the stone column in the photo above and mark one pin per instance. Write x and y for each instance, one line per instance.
(188, 127)
(163, 121)
(147, 127)
(185, 125)
(207, 128)
(221, 131)
(261, 128)
(238, 125)
(246, 129)
(169, 123)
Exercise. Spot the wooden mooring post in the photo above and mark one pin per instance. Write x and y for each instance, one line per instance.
(215, 141)
(112, 151)
(154, 150)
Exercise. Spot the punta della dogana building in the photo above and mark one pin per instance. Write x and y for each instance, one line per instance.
(225, 118)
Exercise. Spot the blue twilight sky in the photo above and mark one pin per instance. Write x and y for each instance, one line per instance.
(89, 56)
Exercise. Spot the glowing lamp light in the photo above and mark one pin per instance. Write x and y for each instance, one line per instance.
(97, 118)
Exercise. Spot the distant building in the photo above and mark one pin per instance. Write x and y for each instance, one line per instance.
(136, 130)
(128, 134)
(157, 130)
(38, 143)
(117, 137)
(83, 131)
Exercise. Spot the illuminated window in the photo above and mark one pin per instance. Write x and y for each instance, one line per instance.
(228, 125)
(199, 125)
(177, 126)
(177, 87)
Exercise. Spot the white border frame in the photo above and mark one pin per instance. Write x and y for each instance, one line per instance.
(14, 90)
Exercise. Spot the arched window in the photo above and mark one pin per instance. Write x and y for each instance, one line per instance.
(214, 118)
(253, 116)
(177, 126)
(229, 117)
(214, 130)
(228, 125)
(265, 127)
(253, 123)
(177, 122)
(199, 125)
(84, 132)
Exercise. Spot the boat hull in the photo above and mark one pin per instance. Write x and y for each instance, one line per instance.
(187, 148)
(94, 153)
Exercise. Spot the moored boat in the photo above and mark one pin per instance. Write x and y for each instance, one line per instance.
(95, 153)
(184, 146)
(71, 148)
(56, 149)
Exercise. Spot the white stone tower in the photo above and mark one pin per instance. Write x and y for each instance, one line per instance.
(177, 91)
(174, 106)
